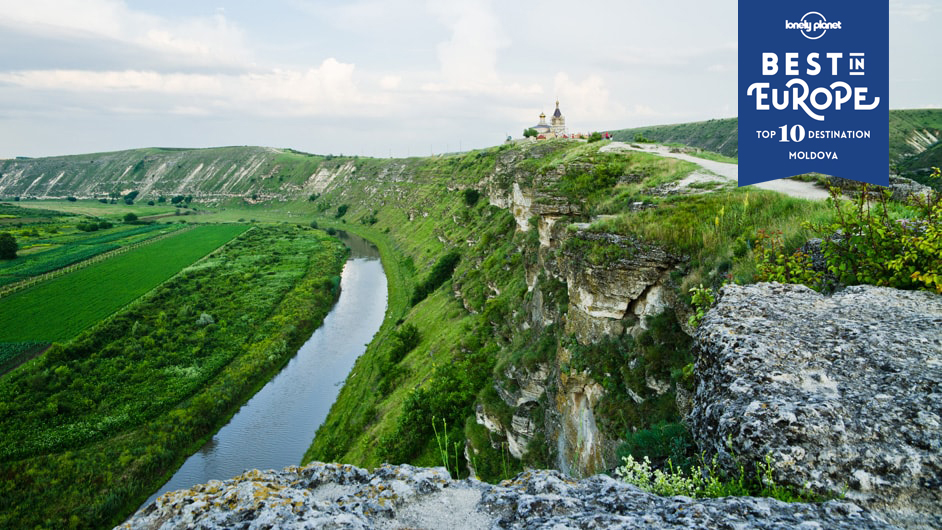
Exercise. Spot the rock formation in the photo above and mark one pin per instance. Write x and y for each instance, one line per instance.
(844, 392)
(339, 496)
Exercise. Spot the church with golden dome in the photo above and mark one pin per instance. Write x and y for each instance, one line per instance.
(556, 128)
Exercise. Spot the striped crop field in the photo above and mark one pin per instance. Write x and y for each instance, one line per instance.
(59, 309)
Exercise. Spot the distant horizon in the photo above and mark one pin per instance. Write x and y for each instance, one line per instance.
(399, 78)
(314, 153)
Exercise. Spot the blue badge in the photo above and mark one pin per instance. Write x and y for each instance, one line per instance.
(813, 90)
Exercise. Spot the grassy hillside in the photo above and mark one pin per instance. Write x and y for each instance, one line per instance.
(404, 396)
(911, 132)
(259, 172)
(719, 136)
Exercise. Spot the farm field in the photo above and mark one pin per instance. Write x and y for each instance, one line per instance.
(93, 208)
(60, 308)
(94, 425)
(59, 251)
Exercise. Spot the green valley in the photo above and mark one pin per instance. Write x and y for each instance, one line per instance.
(542, 300)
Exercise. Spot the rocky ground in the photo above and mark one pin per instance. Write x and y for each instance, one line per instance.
(339, 496)
(843, 391)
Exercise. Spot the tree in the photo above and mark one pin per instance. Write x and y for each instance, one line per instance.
(129, 217)
(530, 133)
(8, 246)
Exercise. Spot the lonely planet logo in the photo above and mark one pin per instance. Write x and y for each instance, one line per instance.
(813, 25)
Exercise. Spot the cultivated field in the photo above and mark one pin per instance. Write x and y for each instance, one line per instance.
(60, 308)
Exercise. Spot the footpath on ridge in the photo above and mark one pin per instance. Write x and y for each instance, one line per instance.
(724, 171)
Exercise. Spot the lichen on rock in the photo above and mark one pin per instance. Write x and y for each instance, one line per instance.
(844, 392)
(341, 496)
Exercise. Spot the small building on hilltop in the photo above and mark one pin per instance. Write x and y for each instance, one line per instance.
(558, 122)
(556, 128)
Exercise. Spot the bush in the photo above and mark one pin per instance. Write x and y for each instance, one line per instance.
(71, 199)
(441, 272)
(341, 211)
(314, 225)
(130, 217)
(595, 137)
(865, 245)
(471, 197)
(404, 340)
(8, 246)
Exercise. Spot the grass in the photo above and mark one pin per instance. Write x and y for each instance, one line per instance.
(60, 308)
(93, 208)
(716, 231)
(90, 428)
(46, 253)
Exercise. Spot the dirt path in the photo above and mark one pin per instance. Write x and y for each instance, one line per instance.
(723, 170)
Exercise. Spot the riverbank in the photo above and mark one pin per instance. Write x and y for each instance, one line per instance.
(274, 428)
(131, 398)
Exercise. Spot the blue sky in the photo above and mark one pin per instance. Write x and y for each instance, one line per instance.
(379, 78)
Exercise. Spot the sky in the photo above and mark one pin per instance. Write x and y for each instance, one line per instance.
(380, 77)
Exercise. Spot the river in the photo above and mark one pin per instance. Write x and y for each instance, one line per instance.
(275, 427)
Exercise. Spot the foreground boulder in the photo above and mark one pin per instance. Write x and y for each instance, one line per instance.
(341, 496)
(843, 391)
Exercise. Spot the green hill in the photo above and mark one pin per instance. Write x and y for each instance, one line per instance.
(912, 132)
(719, 136)
(266, 173)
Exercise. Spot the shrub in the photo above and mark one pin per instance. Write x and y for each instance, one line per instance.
(441, 272)
(130, 217)
(71, 199)
(875, 249)
(774, 264)
(314, 224)
(8, 246)
(471, 197)
(595, 137)
(341, 211)
(404, 340)
(702, 300)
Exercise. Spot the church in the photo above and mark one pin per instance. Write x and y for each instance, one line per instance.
(556, 128)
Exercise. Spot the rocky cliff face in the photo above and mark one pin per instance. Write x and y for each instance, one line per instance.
(605, 299)
(336, 496)
(844, 392)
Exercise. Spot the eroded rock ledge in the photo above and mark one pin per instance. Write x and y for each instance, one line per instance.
(341, 496)
(844, 392)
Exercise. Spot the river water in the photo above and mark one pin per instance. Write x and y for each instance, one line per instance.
(275, 427)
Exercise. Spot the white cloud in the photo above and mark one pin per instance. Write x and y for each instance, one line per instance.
(390, 82)
(917, 11)
(469, 58)
(588, 99)
(328, 89)
(207, 40)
